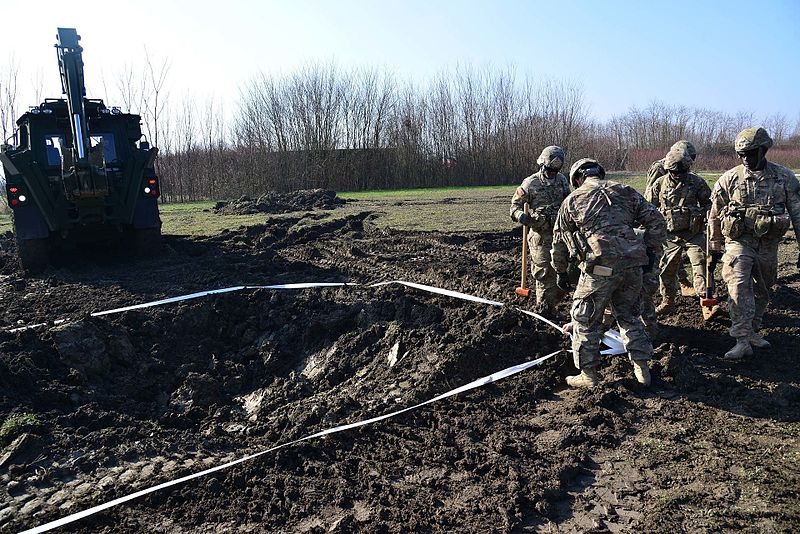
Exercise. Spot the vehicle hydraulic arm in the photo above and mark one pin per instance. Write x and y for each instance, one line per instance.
(82, 166)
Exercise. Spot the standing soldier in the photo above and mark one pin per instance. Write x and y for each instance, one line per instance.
(683, 199)
(752, 206)
(595, 224)
(655, 172)
(657, 169)
(543, 192)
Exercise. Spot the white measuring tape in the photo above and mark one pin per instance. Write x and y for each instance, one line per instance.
(612, 339)
(495, 377)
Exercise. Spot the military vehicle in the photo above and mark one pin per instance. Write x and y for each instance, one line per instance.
(78, 171)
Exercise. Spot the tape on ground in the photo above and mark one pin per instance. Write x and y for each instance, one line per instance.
(611, 338)
(494, 377)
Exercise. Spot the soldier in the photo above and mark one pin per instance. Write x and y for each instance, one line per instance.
(543, 191)
(656, 171)
(751, 208)
(596, 224)
(683, 199)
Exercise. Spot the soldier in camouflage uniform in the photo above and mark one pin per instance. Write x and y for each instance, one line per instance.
(657, 169)
(684, 199)
(655, 172)
(595, 224)
(751, 208)
(543, 191)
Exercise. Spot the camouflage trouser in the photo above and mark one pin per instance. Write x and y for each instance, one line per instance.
(673, 258)
(622, 291)
(682, 270)
(647, 307)
(547, 293)
(750, 273)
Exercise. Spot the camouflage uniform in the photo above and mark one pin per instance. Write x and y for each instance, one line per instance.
(647, 307)
(752, 210)
(655, 172)
(684, 204)
(657, 169)
(544, 196)
(595, 223)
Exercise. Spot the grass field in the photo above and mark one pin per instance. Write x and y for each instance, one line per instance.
(461, 209)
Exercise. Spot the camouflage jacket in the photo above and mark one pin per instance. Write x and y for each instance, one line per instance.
(596, 224)
(543, 195)
(655, 172)
(683, 204)
(749, 206)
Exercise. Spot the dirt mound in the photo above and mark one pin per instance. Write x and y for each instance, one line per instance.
(274, 202)
(100, 407)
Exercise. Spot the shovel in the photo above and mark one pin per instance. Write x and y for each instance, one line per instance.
(709, 305)
(523, 290)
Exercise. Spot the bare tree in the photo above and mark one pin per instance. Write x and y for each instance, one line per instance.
(37, 85)
(154, 98)
(8, 98)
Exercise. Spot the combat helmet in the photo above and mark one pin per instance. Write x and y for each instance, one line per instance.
(552, 157)
(678, 161)
(751, 139)
(585, 167)
(685, 146)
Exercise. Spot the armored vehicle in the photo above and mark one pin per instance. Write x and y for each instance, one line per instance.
(77, 171)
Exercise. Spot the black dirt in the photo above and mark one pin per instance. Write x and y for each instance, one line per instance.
(274, 202)
(126, 401)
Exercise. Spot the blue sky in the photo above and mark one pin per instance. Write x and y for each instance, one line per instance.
(726, 55)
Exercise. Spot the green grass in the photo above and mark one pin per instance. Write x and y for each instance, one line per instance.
(16, 425)
(430, 192)
(450, 209)
(187, 206)
(204, 223)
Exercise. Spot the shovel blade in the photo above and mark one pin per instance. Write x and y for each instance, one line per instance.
(523, 292)
(709, 311)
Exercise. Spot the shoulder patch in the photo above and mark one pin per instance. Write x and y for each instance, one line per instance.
(520, 192)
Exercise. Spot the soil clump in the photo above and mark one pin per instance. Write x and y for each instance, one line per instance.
(274, 202)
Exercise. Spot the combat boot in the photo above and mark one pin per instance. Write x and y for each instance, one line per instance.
(641, 369)
(587, 379)
(740, 350)
(667, 305)
(687, 289)
(757, 341)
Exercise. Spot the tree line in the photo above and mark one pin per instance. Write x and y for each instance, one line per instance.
(323, 126)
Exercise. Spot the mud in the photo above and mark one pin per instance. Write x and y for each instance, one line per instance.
(123, 402)
(274, 202)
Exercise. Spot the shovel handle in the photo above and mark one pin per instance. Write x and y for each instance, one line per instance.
(524, 282)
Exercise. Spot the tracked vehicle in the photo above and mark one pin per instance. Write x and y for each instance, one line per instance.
(78, 171)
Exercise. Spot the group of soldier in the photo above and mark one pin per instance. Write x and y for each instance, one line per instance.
(626, 246)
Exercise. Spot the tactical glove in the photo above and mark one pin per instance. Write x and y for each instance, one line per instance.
(562, 282)
(525, 219)
(651, 261)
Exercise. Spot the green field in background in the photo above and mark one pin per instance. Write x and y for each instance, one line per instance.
(450, 209)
